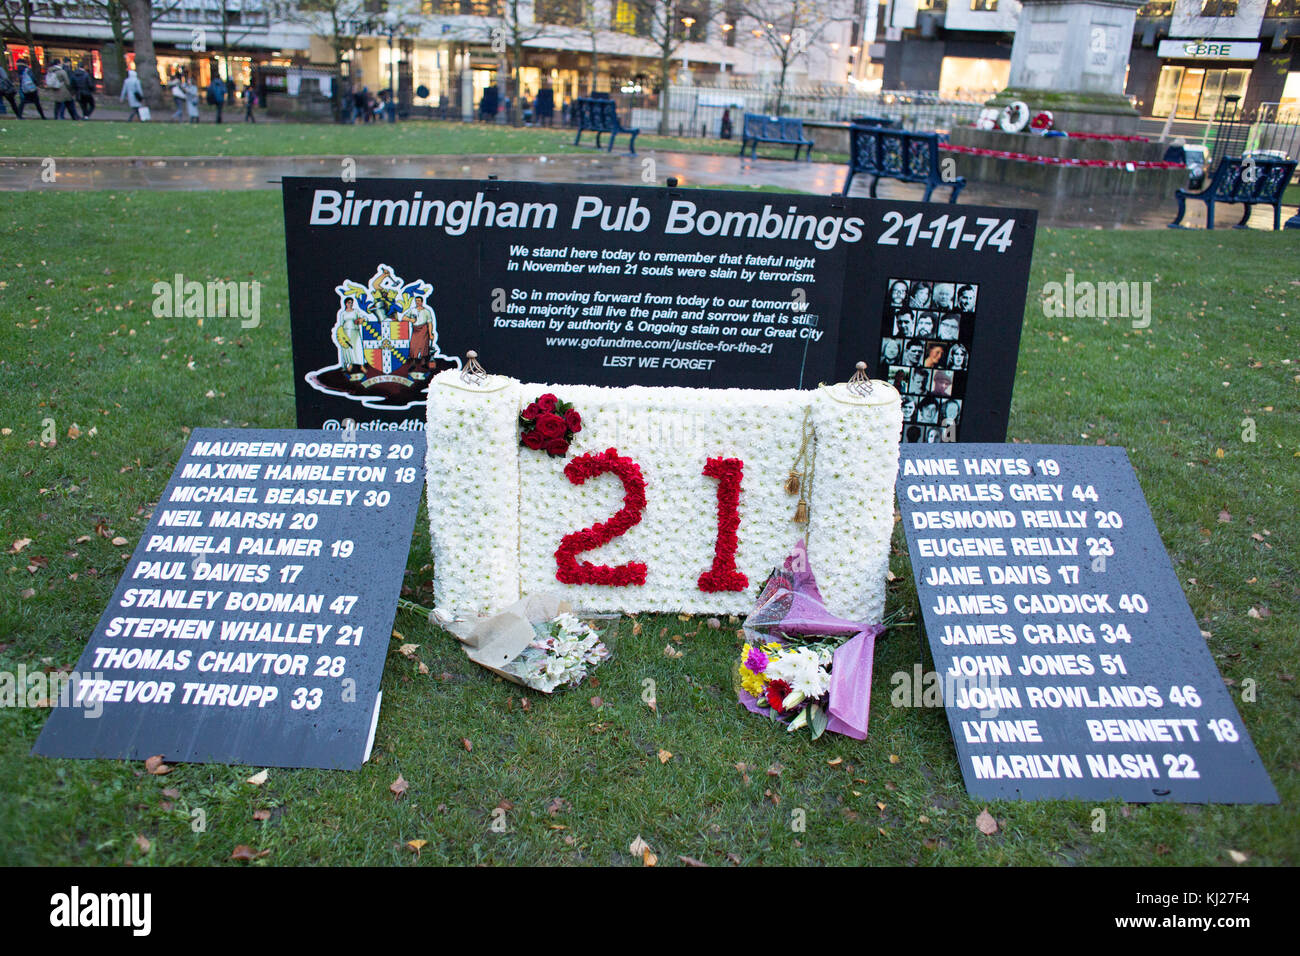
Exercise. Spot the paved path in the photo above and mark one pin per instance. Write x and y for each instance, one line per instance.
(698, 169)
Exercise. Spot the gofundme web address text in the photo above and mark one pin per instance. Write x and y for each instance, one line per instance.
(671, 345)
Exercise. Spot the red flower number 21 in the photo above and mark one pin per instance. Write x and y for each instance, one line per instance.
(722, 576)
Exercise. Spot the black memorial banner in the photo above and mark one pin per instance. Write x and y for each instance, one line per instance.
(252, 622)
(1064, 650)
(392, 281)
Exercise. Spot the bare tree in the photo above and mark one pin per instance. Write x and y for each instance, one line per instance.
(516, 26)
(789, 28)
(594, 21)
(341, 22)
(113, 13)
(146, 60)
(663, 22)
(16, 21)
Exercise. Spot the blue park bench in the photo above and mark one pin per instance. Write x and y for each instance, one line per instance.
(780, 130)
(1231, 184)
(601, 116)
(897, 154)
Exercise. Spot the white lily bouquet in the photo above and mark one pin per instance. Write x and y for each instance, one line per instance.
(564, 652)
(538, 642)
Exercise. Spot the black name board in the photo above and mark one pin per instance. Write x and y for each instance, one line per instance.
(1067, 657)
(392, 281)
(252, 622)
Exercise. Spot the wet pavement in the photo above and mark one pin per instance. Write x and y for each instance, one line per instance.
(691, 169)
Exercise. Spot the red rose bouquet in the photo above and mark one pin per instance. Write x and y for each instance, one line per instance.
(549, 425)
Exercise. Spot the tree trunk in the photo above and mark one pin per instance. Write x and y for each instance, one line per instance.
(146, 61)
(119, 46)
(665, 65)
(780, 86)
(517, 101)
(595, 65)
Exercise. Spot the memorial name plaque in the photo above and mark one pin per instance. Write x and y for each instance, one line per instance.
(252, 622)
(1069, 661)
(392, 281)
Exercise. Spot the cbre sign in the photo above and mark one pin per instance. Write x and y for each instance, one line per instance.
(1208, 50)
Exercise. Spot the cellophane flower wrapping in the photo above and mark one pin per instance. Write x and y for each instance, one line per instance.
(797, 651)
(564, 653)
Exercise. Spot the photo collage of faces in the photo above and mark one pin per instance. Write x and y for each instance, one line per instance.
(925, 341)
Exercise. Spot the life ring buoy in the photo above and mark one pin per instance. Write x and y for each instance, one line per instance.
(1015, 117)
(1043, 121)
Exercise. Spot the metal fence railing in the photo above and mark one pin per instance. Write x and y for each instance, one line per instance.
(697, 110)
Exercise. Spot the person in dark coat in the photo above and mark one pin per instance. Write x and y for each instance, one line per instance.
(544, 106)
(489, 104)
(83, 87)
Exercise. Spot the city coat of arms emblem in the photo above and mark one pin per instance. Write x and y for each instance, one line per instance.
(386, 335)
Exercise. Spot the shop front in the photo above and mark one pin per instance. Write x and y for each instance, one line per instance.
(1196, 77)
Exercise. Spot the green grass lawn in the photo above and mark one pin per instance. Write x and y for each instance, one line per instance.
(577, 782)
(410, 138)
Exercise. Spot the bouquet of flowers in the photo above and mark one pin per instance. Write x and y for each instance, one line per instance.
(802, 665)
(538, 641)
(564, 651)
(549, 425)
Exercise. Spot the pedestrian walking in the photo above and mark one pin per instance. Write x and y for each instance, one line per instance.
(177, 90)
(83, 87)
(217, 93)
(191, 91)
(133, 95)
(250, 100)
(59, 85)
(8, 92)
(28, 90)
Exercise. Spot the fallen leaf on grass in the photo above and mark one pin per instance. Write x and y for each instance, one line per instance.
(18, 545)
(1259, 613)
(399, 786)
(1224, 516)
(557, 806)
(142, 842)
(670, 651)
(653, 704)
(417, 845)
(596, 702)
(835, 761)
(691, 861)
(261, 815)
(27, 593)
(156, 766)
(465, 742)
(258, 778)
(640, 848)
(171, 793)
(1238, 856)
(665, 756)
(986, 824)
(118, 542)
(408, 651)
(246, 854)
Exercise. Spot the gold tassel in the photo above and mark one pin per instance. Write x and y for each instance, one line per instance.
(792, 484)
(801, 512)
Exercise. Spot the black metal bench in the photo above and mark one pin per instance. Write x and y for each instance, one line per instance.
(601, 116)
(898, 154)
(779, 130)
(1233, 184)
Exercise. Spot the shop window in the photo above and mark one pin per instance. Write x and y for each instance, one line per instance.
(984, 6)
(1282, 8)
